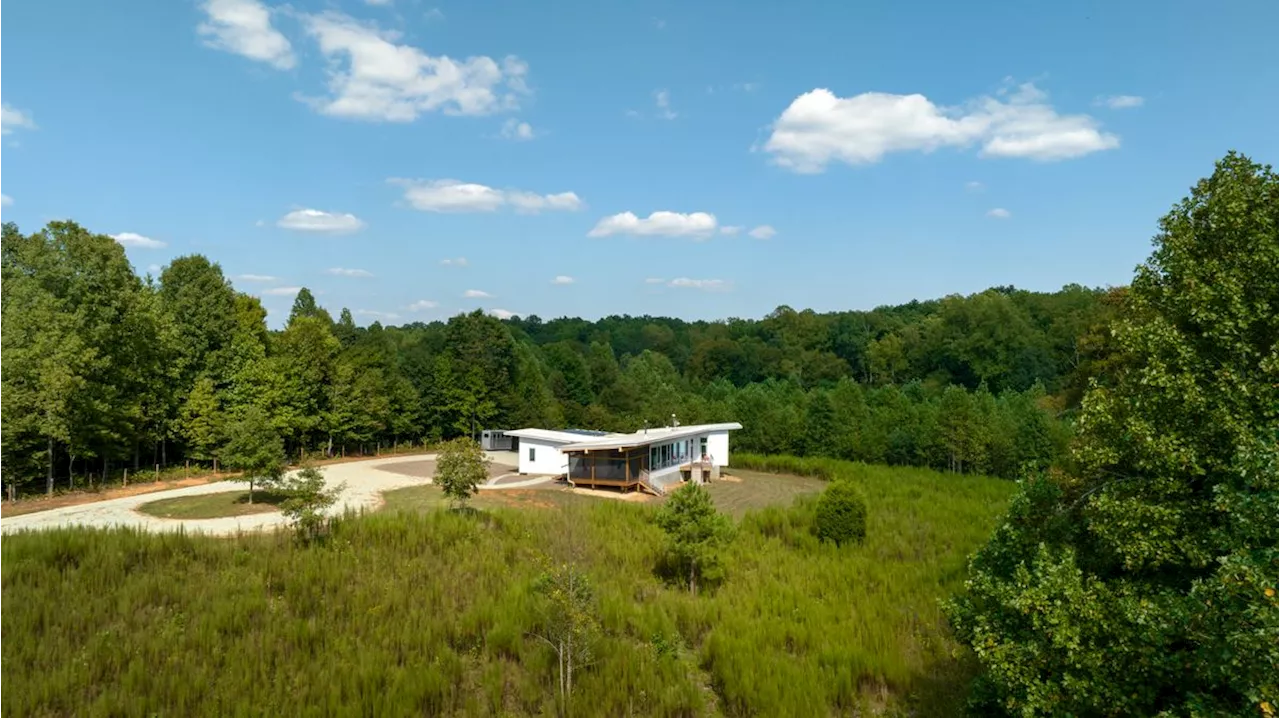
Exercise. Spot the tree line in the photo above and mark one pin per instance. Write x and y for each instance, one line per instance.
(106, 369)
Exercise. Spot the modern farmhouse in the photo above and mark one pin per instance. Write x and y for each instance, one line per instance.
(650, 460)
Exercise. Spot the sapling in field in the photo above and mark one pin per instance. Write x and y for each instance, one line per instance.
(255, 448)
(461, 467)
(569, 622)
(307, 500)
(695, 532)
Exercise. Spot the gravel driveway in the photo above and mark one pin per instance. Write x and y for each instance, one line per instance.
(365, 481)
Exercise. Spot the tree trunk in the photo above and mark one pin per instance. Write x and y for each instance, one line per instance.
(163, 458)
(135, 457)
(251, 491)
(50, 482)
(328, 452)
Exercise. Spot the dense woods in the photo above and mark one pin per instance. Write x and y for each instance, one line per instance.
(105, 370)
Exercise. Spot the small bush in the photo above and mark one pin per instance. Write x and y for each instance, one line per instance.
(842, 514)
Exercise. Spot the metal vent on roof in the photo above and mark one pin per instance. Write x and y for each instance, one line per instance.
(584, 432)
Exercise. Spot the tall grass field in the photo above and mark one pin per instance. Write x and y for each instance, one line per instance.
(431, 612)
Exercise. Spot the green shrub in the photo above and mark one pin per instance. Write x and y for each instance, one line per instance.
(842, 514)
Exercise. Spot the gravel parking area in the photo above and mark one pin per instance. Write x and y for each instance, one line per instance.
(364, 483)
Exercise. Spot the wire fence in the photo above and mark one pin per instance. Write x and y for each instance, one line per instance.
(96, 481)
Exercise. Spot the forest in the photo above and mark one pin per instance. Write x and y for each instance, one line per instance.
(105, 370)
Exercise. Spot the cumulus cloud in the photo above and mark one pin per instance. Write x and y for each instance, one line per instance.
(999, 213)
(455, 262)
(819, 128)
(243, 27)
(314, 220)
(662, 99)
(342, 272)
(514, 129)
(255, 278)
(133, 239)
(374, 77)
(448, 195)
(5, 200)
(1120, 102)
(698, 225)
(974, 186)
(14, 119)
(422, 305)
(476, 294)
(562, 280)
(376, 314)
(706, 285)
(502, 313)
(281, 291)
(764, 231)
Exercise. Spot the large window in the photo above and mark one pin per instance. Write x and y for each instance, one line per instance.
(532, 454)
(702, 447)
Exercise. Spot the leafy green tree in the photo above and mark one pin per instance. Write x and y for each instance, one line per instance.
(1145, 582)
(254, 448)
(201, 421)
(461, 467)
(304, 305)
(695, 532)
(307, 500)
(569, 623)
(841, 515)
(820, 429)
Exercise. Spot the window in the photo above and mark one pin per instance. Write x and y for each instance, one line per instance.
(702, 447)
(532, 456)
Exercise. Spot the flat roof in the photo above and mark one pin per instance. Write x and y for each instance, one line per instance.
(648, 436)
(548, 435)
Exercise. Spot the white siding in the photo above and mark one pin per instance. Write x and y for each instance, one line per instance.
(547, 458)
(718, 447)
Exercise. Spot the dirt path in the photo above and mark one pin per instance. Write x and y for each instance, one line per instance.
(364, 483)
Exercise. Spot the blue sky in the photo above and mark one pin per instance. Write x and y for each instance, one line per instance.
(878, 152)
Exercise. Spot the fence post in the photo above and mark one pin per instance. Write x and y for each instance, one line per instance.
(157, 473)
(186, 470)
(126, 476)
(13, 497)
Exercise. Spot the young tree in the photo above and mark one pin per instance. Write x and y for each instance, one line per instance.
(695, 532)
(201, 421)
(461, 466)
(1145, 583)
(307, 501)
(568, 622)
(254, 447)
(841, 514)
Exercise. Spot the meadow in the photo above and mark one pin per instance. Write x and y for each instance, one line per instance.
(415, 609)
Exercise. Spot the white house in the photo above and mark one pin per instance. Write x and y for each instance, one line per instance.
(651, 459)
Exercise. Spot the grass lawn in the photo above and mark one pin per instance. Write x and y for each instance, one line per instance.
(213, 506)
(429, 497)
(742, 490)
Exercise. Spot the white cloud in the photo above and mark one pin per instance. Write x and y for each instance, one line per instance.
(342, 272)
(764, 231)
(503, 313)
(456, 262)
(999, 213)
(698, 225)
(562, 280)
(377, 315)
(133, 239)
(448, 195)
(663, 100)
(1120, 102)
(243, 27)
(314, 220)
(154, 268)
(730, 229)
(819, 128)
(476, 294)
(377, 3)
(422, 305)
(371, 77)
(514, 129)
(255, 278)
(281, 291)
(974, 186)
(706, 285)
(14, 119)
(5, 200)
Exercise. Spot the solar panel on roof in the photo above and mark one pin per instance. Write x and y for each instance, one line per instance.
(585, 432)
